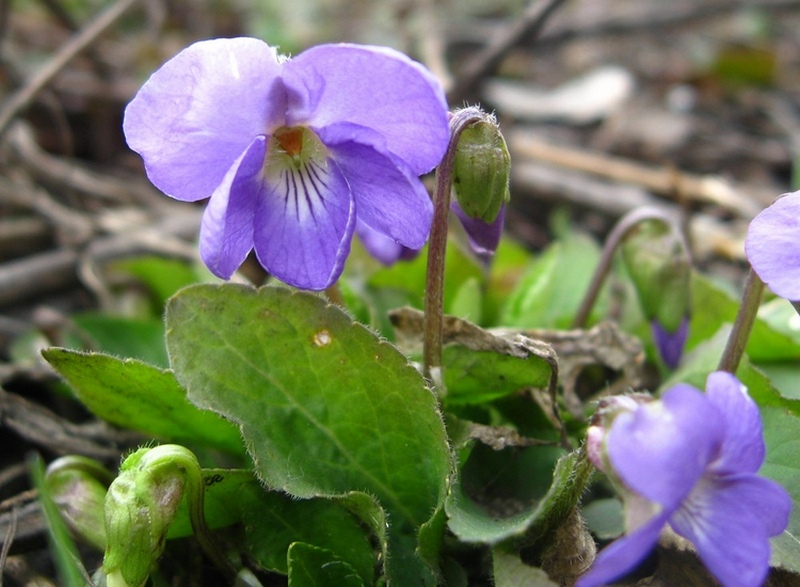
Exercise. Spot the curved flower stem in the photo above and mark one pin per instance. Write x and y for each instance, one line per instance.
(621, 229)
(82, 464)
(745, 318)
(180, 459)
(437, 247)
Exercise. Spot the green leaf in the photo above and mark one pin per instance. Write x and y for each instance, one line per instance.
(410, 276)
(782, 437)
(135, 338)
(135, 395)
(161, 275)
(324, 405)
(471, 521)
(508, 265)
(276, 521)
(480, 366)
(311, 566)
(510, 571)
(712, 307)
(550, 292)
(705, 358)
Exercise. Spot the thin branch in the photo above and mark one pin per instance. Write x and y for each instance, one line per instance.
(527, 27)
(77, 43)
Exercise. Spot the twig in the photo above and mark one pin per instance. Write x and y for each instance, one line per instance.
(527, 27)
(52, 271)
(71, 174)
(77, 43)
(12, 530)
(666, 181)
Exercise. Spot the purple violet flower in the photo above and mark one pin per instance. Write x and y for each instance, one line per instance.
(773, 246)
(690, 460)
(292, 152)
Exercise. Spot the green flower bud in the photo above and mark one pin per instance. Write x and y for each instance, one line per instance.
(658, 263)
(140, 505)
(78, 486)
(481, 169)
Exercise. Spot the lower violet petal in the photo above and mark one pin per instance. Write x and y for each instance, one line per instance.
(743, 447)
(389, 198)
(729, 521)
(622, 555)
(226, 233)
(304, 224)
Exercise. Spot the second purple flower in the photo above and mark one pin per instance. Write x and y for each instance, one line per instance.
(292, 152)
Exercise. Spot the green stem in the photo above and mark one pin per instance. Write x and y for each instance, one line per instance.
(615, 237)
(745, 318)
(433, 328)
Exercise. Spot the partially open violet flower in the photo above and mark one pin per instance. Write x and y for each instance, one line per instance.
(690, 460)
(292, 152)
(773, 246)
(484, 237)
(670, 344)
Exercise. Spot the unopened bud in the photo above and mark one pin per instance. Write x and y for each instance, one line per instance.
(482, 169)
(658, 263)
(78, 487)
(140, 506)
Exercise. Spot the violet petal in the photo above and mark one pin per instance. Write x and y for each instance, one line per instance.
(385, 249)
(389, 197)
(729, 521)
(743, 446)
(198, 113)
(373, 87)
(670, 344)
(226, 232)
(773, 246)
(304, 224)
(484, 237)
(681, 428)
(622, 555)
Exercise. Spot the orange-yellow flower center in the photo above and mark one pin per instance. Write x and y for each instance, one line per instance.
(290, 140)
(292, 147)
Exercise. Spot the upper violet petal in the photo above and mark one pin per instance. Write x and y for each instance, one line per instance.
(729, 520)
(304, 224)
(389, 197)
(674, 441)
(743, 447)
(773, 246)
(373, 87)
(226, 232)
(198, 113)
(622, 555)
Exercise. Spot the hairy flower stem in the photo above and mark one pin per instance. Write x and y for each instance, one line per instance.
(433, 332)
(177, 461)
(745, 318)
(615, 238)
